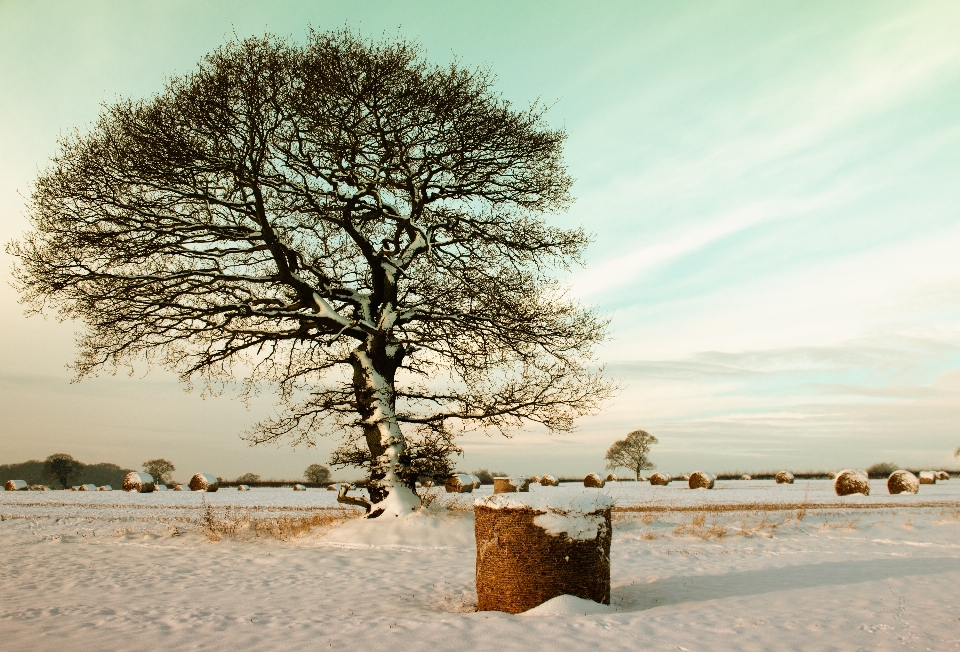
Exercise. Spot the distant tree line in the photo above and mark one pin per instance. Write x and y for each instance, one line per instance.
(60, 471)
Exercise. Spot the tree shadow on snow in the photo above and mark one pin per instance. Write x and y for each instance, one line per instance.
(700, 588)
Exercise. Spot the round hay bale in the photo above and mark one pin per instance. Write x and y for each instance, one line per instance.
(611, 477)
(161, 487)
(140, 482)
(660, 479)
(928, 477)
(784, 477)
(745, 477)
(87, 487)
(943, 475)
(593, 480)
(243, 487)
(510, 485)
(701, 480)
(181, 487)
(459, 484)
(832, 475)
(548, 480)
(476, 481)
(333, 487)
(75, 487)
(15, 485)
(534, 479)
(300, 487)
(643, 478)
(204, 482)
(903, 482)
(105, 487)
(528, 554)
(851, 482)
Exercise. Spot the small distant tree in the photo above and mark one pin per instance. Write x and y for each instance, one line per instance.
(881, 469)
(317, 474)
(631, 453)
(160, 469)
(63, 468)
(247, 478)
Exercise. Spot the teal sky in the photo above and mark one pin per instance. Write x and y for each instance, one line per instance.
(774, 190)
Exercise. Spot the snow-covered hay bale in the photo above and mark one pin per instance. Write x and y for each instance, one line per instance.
(851, 482)
(660, 479)
(162, 487)
(476, 482)
(784, 477)
(459, 484)
(533, 548)
(243, 487)
(333, 487)
(180, 487)
(701, 480)
(534, 479)
(511, 485)
(745, 477)
(593, 480)
(140, 482)
(928, 477)
(832, 475)
(15, 485)
(548, 480)
(943, 475)
(88, 487)
(300, 487)
(105, 487)
(612, 477)
(204, 482)
(903, 482)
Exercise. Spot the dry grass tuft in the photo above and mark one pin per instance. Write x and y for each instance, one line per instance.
(227, 522)
(699, 527)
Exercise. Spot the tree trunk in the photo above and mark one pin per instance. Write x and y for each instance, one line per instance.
(373, 377)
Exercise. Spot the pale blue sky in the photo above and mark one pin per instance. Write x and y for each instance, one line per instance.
(774, 189)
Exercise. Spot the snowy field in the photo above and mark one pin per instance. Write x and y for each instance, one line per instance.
(749, 565)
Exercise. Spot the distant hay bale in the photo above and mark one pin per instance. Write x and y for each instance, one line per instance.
(903, 482)
(593, 480)
(510, 485)
(611, 477)
(660, 479)
(140, 482)
(204, 482)
(15, 485)
(75, 487)
(784, 477)
(521, 564)
(851, 482)
(745, 477)
(534, 479)
(943, 475)
(642, 478)
(701, 480)
(300, 487)
(162, 487)
(832, 475)
(105, 487)
(88, 487)
(476, 482)
(459, 484)
(243, 487)
(548, 480)
(928, 477)
(180, 487)
(333, 487)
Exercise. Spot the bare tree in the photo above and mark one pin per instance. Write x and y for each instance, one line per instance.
(343, 221)
(632, 452)
(317, 474)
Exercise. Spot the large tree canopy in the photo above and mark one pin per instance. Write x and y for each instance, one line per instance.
(340, 220)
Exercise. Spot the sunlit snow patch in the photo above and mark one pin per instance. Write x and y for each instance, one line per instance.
(568, 605)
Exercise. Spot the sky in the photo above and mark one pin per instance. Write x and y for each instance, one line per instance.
(773, 189)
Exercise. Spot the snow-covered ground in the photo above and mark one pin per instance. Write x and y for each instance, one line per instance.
(104, 571)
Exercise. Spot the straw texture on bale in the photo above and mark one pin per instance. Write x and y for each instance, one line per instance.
(204, 482)
(851, 482)
(534, 479)
(105, 487)
(784, 477)
(243, 487)
(943, 475)
(459, 484)
(593, 480)
(701, 480)
(549, 481)
(15, 485)
(903, 482)
(745, 477)
(660, 479)
(928, 477)
(300, 487)
(510, 485)
(520, 566)
(136, 481)
(611, 477)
